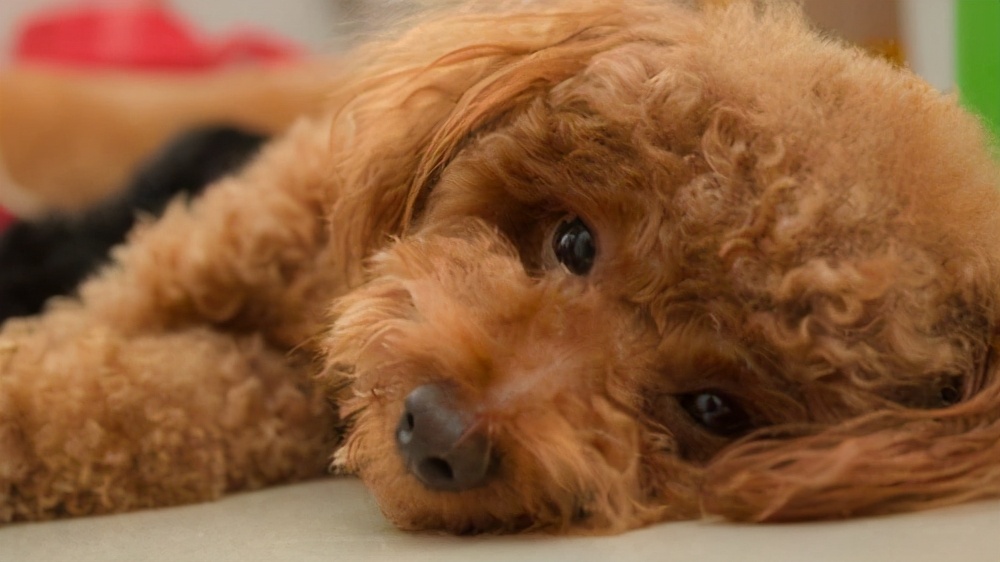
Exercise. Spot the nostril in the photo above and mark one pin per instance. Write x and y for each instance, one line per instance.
(408, 420)
(437, 471)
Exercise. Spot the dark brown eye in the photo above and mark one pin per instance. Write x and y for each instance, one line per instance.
(574, 247)
(951, 392)
(716, 412)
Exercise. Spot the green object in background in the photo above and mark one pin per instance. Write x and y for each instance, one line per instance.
(978, 53)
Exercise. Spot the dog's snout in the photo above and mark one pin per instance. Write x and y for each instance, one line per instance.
(438, 442)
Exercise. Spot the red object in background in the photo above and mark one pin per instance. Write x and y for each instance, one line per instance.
(5, 219)
(138, 36)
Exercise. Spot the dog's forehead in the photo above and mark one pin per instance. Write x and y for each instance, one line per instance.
(821, 102)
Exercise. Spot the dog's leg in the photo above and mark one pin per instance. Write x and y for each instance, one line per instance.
(92, 421)
(180, 373)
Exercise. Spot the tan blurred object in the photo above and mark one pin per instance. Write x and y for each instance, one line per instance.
(859, 21)
(874, 25)
(70, 138)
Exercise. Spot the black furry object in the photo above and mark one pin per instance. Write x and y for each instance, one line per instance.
(51, 256)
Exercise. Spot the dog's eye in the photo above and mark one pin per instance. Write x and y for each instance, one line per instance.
(951, 392)
(716, 412)
(573, 245)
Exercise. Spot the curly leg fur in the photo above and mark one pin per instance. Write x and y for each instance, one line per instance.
(92, 421)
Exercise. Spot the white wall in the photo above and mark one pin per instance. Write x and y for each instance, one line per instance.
(928, 30)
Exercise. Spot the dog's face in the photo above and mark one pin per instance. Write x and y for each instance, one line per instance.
(690, 277)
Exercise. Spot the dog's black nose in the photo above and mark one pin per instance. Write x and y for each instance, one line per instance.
(438, 444)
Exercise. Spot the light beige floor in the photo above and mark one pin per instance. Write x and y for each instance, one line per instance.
(335, 520)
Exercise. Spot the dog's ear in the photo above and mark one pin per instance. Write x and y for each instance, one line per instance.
(407, 107)
(894, 460)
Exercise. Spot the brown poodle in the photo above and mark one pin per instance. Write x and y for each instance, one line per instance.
(580, 268)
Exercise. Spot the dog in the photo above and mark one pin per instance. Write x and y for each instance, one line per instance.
(580, 268)
(43, 258)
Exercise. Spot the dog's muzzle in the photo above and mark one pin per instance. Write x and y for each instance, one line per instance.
(440, 443)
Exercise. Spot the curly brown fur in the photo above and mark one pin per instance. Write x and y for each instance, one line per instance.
(797, 232)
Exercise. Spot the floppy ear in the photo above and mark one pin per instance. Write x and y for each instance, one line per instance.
(405, 108)
(885, 462)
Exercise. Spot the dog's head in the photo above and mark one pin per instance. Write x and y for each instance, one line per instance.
(654, 263)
